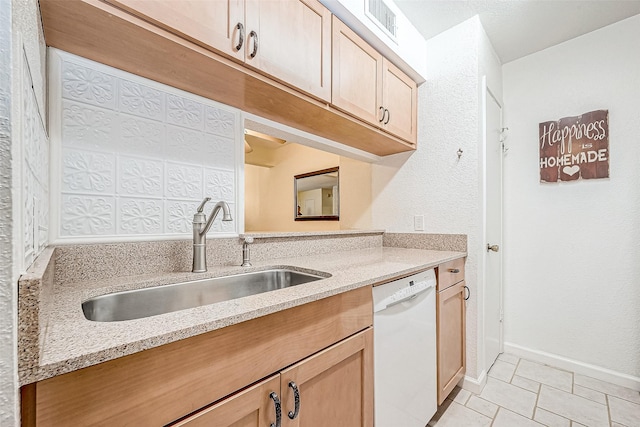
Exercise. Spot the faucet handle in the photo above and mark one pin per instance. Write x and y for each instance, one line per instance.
(204, 202)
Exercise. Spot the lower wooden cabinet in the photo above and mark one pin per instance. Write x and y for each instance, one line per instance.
(331, 388)
(225, 377)
(450, 315)
(249, 408)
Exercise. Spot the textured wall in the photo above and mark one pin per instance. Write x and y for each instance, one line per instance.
(572, 249)
(134, 158)
(23, 143)
(432, 181)
(8, 367)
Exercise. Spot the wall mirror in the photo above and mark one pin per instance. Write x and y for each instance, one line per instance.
(317, 195)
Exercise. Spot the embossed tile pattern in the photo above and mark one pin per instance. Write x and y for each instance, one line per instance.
(137, 156)
(35, 172)
(543, 396)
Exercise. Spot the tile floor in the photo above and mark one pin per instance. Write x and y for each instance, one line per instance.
(521, 393)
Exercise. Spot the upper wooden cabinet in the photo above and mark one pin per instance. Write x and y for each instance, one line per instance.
(367, 85)
(287, 40)
(216, 24)
(185, 45)
(291, 41)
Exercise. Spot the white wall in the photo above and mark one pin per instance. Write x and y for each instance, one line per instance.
(572, 250)
(432, 181)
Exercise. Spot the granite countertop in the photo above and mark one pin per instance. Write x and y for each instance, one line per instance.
(70, 342)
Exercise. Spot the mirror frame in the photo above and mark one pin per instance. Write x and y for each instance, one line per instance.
(295, 196)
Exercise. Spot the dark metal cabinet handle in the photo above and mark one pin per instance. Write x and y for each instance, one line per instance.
(467, 292)
(296, 398)
(276, 400)
(388, 116)
(383, 113)
(240, 28)
(454, 270)
(254, 52)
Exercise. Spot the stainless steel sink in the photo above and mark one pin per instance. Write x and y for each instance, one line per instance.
(146, 302)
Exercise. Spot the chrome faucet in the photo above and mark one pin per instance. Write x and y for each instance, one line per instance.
(246, 252)
(201, 226)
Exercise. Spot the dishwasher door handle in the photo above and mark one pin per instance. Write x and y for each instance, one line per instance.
(410, 297)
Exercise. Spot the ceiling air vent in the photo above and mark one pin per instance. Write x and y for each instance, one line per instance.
(384, 17)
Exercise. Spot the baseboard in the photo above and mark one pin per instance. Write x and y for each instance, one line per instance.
(474, 385)
(576, 366)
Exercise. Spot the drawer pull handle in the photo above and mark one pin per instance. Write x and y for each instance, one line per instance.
(388, 116)
(467, 292)
(240, 28)
(382, 109)
(276, 400)
(454, 270)
(296, 398)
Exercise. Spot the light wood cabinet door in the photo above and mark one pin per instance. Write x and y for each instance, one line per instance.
(400, 99)
(357, 75)
(215, 24)
(451, 338)
(335, 386)
(290, 40)
(370, 87)
(252, 407)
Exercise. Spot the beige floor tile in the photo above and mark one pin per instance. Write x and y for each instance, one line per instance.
(596, 396)
(550, 419)
(617, 425)
(624, 412)
(509, 396)
(502, 371)
(480, 405)
(556, 378)
(608, 388)
(575, 424)
(526, 383)
(460, 395)
(457, 415)
(509, 358)
(507, 418)
(574, 407)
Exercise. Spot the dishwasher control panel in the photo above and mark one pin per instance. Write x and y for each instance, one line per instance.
(402, 290)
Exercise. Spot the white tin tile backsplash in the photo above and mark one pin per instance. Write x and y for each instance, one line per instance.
(133, 158)
(35, 173)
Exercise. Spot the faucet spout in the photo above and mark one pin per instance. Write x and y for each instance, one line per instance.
(226, 216)
(201, 226)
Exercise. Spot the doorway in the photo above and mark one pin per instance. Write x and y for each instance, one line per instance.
(493, 313)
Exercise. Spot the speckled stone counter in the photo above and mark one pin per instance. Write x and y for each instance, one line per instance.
(69, 342)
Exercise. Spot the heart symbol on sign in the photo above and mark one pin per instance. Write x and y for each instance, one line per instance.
(571, 170)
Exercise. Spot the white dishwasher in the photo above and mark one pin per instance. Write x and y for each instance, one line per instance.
(404, 330)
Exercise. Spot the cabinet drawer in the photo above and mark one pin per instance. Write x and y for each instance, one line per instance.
(450, 273)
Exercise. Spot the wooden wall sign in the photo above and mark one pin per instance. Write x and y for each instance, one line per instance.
(575, 147)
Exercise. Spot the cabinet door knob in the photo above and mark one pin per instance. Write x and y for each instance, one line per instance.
(296, 399)
(240, 29)
(254, 35)
(276, 401)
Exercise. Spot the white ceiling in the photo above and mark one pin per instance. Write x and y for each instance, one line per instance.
(518, 28)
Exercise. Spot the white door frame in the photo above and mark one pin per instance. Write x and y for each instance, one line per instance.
(485, 364)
